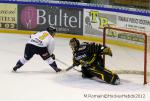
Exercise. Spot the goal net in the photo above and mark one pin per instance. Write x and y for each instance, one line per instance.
(131, 51)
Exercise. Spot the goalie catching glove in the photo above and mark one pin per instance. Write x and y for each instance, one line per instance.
(107, 51)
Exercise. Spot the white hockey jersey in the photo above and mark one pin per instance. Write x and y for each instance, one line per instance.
(43, 39)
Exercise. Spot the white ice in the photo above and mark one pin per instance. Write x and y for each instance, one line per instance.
(37, 81)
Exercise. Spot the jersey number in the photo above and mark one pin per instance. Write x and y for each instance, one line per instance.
(42, 37)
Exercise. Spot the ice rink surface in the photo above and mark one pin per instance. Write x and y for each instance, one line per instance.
(36, 80)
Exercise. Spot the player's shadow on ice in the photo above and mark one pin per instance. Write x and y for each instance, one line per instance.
(35, 72)
(74, 80)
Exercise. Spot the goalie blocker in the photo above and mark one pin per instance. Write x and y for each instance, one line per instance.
(89, 56)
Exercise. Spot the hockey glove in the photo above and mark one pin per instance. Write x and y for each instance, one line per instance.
(89, 62)
(53, 56)
(84, 63)
(107, 51)
(75, 62)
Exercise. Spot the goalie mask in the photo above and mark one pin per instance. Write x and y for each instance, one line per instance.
(51, 30)
(74, 44)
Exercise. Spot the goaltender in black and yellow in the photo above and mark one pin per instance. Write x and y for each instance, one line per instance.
(89, 56)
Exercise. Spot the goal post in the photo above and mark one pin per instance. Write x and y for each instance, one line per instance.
(121, 35)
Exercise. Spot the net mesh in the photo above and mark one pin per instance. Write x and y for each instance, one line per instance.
(129, 54)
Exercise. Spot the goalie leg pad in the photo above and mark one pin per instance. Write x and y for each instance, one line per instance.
(86, 73)
(107, 76)
(115, 80)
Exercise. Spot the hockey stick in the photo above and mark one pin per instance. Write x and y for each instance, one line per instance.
(77, 70)
(72, 67)
(62, 62)
(69, 67)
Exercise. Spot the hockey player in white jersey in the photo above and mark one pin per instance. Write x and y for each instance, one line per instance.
(41, 43)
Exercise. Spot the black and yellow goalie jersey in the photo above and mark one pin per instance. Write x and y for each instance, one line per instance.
(88, 54)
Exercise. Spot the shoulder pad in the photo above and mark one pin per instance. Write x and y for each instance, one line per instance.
(82, 47)
(85, 43)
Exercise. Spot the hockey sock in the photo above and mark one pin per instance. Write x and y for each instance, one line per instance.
(54, 66)
(18, 65)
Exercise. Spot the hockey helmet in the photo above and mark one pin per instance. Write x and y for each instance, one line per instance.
(51, 30)
(74, 44)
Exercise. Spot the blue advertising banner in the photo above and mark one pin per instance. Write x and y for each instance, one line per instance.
(38, 18)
